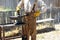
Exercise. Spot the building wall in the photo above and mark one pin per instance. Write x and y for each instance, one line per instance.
(8, 3)
(55, 3)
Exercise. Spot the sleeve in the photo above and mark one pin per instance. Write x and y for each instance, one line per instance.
(18, 6)
(42, 5)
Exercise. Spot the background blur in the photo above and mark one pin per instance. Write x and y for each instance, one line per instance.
(7, 8)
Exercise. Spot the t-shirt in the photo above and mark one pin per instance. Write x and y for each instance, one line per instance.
(28, 5)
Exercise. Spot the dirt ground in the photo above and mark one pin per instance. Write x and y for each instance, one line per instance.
(46, 33)
(53, 35)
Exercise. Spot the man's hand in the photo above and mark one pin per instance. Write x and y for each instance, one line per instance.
(45, 9)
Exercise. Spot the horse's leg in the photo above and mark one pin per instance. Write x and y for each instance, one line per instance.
(33, 29)
(25, 31)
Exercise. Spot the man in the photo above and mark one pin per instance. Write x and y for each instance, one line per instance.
(28, 5)
(33, 8)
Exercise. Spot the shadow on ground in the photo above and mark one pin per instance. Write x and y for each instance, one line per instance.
(45, 30)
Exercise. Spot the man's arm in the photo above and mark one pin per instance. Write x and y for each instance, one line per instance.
(43, 6)
(18, 6)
